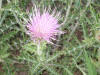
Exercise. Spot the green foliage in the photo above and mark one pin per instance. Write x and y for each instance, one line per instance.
(30, 47)
(89, 41)
(81, 40)
(90, 67)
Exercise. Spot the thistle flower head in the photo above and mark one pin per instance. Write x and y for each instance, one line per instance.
(43, 25)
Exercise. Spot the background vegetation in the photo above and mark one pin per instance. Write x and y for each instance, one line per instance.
(78, 52)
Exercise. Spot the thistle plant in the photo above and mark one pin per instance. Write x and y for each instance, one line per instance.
(43, 27)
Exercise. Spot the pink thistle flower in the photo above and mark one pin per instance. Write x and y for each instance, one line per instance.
(43, 25)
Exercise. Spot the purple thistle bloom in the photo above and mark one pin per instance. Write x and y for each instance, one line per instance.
(44, 25)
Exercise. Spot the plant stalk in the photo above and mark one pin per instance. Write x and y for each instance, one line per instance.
(0, 7)
(39, 52)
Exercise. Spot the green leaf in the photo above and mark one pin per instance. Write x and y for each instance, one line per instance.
(7, 36)
(52, 71)
(31, 47)
(89, 65)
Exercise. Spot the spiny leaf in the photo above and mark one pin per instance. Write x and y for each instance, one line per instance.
(31, 47)
(7, 36)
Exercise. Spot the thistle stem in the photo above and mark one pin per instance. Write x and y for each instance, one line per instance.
(39, 52)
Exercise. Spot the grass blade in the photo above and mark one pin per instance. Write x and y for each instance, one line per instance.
(90, 67)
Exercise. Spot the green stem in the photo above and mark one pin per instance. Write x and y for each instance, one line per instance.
(0, 6)
(39, 52)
